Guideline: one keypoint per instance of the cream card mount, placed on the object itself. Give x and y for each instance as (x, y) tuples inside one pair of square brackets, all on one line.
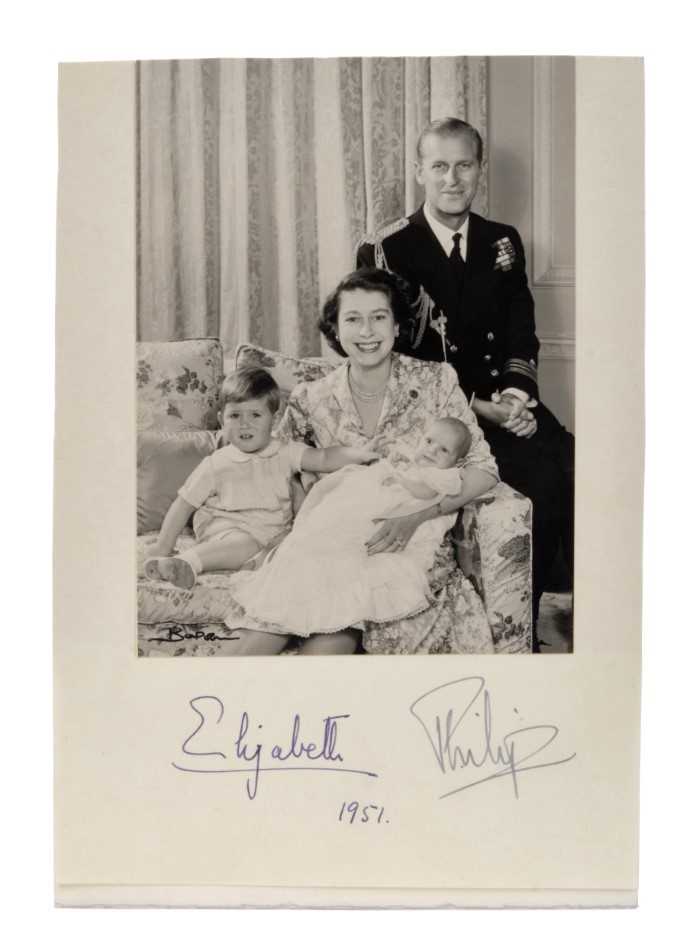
[(169, 790)]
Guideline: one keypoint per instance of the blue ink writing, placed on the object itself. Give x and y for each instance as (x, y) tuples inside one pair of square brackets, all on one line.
[(368, 813), (246, 751)]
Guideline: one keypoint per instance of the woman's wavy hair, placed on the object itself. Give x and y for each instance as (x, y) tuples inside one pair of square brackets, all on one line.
[(395, 289)]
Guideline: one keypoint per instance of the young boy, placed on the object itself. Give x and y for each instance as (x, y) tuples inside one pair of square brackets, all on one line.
[(241, 494)]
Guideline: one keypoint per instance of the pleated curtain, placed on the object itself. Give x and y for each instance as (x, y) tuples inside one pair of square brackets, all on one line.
[(257, 178)]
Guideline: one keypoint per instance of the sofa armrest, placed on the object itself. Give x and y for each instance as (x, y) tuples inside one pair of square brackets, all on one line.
[(493, 540)]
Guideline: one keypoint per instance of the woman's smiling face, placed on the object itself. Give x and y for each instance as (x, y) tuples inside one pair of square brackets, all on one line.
[(366, 327)]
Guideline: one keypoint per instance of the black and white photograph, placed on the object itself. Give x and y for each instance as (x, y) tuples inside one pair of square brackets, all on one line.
[(333, 326), (355, 358)]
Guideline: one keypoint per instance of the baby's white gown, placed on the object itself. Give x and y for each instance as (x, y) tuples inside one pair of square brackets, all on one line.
[(321, 579)]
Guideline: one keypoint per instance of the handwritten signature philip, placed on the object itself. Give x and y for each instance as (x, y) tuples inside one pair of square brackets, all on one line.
[(457, 719), (241, 753)]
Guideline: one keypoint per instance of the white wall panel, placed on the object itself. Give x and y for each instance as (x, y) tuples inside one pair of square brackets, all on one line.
[(532, 186)]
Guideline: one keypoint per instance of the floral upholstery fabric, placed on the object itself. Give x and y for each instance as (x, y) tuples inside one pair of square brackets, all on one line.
[(180, 379), (491, 543), (175, 622), (160, 602)]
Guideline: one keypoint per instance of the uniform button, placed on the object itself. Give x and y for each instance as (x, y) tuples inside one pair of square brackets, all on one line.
[(494, 372), (487, 358), (489, 337)]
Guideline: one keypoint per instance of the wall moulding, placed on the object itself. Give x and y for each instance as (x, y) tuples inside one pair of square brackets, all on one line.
[(547, 271), (559, 348)]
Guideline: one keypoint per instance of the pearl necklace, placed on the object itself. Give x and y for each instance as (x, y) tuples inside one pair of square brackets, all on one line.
[(368, 397)]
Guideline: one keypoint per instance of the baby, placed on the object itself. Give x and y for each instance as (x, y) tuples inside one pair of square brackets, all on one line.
[(241, 494), (321, 578)]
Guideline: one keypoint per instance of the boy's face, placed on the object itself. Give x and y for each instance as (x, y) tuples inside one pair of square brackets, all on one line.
[(247, 425), (439, 447)]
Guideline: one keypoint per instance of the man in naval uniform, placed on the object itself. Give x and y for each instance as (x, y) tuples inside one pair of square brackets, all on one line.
[(474, 308)]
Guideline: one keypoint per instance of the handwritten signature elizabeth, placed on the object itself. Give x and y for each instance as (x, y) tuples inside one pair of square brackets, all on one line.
[(458, 721), (244, 751)]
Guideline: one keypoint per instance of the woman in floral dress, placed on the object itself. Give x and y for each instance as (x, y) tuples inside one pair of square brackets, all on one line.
[(383, 401)]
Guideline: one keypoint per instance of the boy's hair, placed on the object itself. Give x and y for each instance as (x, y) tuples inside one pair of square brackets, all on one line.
[(461, 432), (250, 382)]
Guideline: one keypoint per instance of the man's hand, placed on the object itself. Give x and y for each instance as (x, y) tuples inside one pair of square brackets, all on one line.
[(494, 412), (508, 412), (521, 422), (393, 534)]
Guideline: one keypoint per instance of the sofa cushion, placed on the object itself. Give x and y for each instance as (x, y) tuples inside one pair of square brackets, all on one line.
[(179, 379), (287, 371), (166, 455)]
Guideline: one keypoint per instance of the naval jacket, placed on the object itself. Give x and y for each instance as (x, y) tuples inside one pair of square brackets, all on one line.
[(489, 325)]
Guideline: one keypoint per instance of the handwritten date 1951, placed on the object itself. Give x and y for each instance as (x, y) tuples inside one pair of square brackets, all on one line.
[(363, 813)]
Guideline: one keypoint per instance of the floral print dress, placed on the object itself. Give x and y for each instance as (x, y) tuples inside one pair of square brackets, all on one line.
[(323, 413)]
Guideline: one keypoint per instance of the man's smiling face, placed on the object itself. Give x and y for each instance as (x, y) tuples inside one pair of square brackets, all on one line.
[(449, 172)]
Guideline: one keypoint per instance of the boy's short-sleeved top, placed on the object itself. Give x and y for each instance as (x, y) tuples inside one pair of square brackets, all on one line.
[(230, 481)]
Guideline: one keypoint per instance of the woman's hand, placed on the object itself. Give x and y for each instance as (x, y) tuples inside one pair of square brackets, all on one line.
[(393, 534)]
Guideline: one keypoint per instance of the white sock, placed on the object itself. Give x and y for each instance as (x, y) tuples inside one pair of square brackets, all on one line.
[(192, 559)]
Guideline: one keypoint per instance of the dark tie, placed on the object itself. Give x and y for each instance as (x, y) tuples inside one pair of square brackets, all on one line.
[(455, 259)]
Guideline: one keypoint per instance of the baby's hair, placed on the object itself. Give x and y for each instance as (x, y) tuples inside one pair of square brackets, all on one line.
[(461, 432), (250, 382)]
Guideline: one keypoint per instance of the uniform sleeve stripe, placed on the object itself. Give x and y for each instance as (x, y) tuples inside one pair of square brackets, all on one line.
[(522, 367)]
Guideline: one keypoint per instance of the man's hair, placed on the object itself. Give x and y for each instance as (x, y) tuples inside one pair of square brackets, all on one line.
[(395, 289), (250, 382), (449, 125), (461, 432)]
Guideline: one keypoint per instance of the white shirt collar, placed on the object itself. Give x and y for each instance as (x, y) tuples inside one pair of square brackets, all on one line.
[(236, 455), (445, 234)]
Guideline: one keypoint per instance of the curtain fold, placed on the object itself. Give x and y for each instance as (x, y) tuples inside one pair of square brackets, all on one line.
[(257, 178)]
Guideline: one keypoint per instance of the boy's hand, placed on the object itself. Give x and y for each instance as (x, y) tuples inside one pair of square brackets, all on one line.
[(361, 456)]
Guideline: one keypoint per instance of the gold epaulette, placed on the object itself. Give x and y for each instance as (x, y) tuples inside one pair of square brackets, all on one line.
[(388, 229), (381, 234)]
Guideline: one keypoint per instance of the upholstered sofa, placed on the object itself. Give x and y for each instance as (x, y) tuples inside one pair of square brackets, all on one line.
[(177, 390)]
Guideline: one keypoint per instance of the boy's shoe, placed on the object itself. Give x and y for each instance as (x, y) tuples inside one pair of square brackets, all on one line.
[(171, 569)]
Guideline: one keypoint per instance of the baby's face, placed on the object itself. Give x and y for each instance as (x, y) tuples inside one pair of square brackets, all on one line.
[(439, 447), (247, 425)]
